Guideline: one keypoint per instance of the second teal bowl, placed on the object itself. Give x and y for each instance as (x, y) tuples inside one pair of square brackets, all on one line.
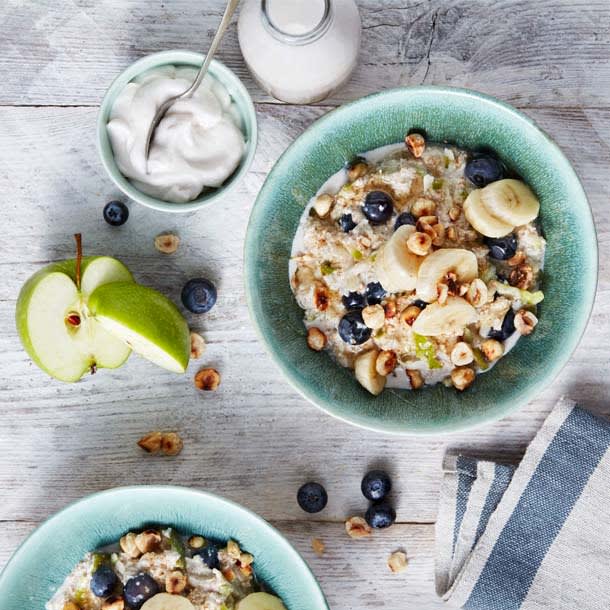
[(44, 560), (472, 121)]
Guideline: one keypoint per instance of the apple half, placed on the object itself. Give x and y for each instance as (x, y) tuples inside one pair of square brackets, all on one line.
[(54, 322)]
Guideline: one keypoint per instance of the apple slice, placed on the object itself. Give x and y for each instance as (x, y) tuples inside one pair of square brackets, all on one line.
[(53, 322), (145, 320)]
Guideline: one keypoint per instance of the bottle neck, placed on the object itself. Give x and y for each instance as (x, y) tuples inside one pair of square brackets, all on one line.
[(290, 31)]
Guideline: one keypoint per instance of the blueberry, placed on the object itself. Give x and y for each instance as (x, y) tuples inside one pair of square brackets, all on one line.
[(405, 219), (376, 485), (419, 303), (353, 300), (374, 293), (116, 213), (508, 327), (103, 581), (352, 328), (378, 207), (380, 515), (312, 497), (139, 589), (209, 555), (346, 222), (199, 295), (502, 248), (483, 169)]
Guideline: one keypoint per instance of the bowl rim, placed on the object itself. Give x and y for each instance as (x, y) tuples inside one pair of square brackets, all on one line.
[(5, 573), (222, 73), (590, 281)]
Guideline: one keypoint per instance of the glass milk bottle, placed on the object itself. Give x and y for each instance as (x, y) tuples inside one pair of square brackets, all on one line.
[(300, 51)]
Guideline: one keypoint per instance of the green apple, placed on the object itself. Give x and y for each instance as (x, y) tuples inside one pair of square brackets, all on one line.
[(145, 320), (54, 322)]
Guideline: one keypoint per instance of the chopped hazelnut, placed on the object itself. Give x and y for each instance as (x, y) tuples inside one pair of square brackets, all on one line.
[(397, 562), (148, 541), (175, 581), (128, 545), (462, 378), (492, 349), (322, 205), (390, 309), (454, 213), (357, 171), (197, 346), (321, 297), (233, 549), (452, 234), (196, 542), (521, 277), (207, 379), (70, 606), (423, 207), (151, 442), (415, 378), (245, 559), (409, 314), (477, 294), (373, 316), (113, 603), (246, 570), (171, 443), (318, 547), (357, 527), (386, 362), (416, 144), (439, 235), (525, 322), (462, 354), (425, 221), (517, 259), (419, 243), (316, 339), (167, 243)]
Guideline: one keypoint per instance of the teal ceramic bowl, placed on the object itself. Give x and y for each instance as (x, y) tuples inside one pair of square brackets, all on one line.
[(44, 560), (472, 121), (238, 93)]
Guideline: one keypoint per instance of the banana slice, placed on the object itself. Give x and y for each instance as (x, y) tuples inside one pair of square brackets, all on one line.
[(448, 319), (396, 264), (166, 601), (260, 601), (436, 266), (511, 201), (479, 217), (367, 375)]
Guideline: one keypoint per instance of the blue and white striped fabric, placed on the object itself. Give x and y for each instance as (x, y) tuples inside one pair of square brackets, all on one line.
[(533, 537)]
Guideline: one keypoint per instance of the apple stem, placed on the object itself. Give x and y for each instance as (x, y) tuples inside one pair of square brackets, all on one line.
[(79, 257)]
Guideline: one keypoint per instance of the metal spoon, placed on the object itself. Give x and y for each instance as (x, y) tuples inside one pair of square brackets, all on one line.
[(165, 106)]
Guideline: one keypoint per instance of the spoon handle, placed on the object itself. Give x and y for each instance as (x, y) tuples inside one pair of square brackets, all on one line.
[(226, 19)]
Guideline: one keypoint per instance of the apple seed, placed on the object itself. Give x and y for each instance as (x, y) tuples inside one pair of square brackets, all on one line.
[(73, 319)]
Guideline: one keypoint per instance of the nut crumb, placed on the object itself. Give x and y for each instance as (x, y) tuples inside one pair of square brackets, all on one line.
[(525, 322), (175, 581), (416, 144), (171, 443), (357, 171), (462, 378), (167, 243), (374, 316), (318, 547), (357, 527), (316, 339), (415, 378), (128, 545), (148, 541), (517, 259), (397, 562), (112, 603), (151, 442), (233, 549), (419, 243), (246, 559), (386, 362), (322, 204), (197, 345), (70, 606), (207, 380)]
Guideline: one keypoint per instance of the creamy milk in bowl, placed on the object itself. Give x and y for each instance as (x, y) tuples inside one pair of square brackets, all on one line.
[(202, 147)]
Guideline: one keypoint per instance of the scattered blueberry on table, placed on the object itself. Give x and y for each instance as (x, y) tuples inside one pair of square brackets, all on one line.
[(507, 329), (103, 581), (376, 485), (352, 328), (139, 589), (353, 300), (406, 218), (483, 169), (199, 295), (116, 213), (380, 515), (378, 207), (312, 497), (374, 293), (502, 248), (346, 222)]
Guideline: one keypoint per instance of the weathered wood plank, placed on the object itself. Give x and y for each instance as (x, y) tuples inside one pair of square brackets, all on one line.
[(546, 53), (352, 573)]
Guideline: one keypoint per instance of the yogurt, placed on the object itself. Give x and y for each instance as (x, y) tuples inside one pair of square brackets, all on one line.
[(197, 145)]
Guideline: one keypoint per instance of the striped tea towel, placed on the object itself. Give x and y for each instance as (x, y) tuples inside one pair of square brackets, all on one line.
[(532, 537)]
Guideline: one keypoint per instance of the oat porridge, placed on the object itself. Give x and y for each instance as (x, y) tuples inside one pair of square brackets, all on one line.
[(158, 569), (419, 264)]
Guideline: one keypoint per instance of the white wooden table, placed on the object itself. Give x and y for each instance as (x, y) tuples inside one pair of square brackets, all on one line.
[(255, 440)]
